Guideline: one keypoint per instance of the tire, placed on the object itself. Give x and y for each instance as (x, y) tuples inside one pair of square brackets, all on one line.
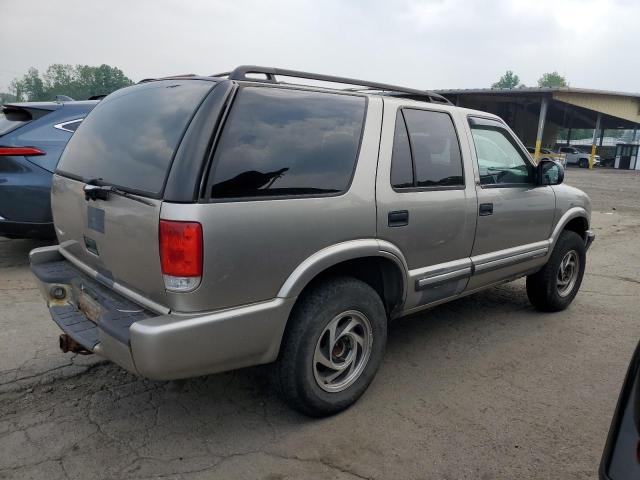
[(583, 163), (548, 289), (340, 302)]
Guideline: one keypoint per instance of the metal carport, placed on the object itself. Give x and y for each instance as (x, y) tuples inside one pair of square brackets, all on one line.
[(536, 114)]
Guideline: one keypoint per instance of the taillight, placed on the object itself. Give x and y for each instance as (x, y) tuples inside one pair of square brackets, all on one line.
[(24, 151), (181, 254)]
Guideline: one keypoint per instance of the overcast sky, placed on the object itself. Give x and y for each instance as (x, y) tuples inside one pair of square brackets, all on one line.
[(418, 43)]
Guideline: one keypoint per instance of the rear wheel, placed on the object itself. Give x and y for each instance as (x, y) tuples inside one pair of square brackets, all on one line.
[(555, 286), (333, 346)]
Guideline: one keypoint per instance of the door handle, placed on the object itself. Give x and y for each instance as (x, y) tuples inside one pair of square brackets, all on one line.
[(399, 218), (485, 209)]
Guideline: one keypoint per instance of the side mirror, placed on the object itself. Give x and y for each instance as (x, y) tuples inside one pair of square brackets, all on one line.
[(549, 172), (621, 456)]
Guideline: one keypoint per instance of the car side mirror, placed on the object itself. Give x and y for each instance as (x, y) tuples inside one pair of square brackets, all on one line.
[(621, 456), (549, 172)]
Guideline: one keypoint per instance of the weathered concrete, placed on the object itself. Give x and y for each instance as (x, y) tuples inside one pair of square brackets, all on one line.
[(481, 388)]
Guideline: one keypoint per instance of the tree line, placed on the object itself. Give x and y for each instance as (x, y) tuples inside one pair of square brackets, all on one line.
[(511, 80), (76, 81)]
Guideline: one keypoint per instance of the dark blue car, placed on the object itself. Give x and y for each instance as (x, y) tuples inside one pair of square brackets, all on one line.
[(32, 138)]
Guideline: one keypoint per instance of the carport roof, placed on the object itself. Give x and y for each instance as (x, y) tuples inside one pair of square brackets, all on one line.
[(619, 109), (532, 91)]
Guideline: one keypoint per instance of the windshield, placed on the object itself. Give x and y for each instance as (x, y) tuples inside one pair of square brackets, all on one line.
[(130, 138)]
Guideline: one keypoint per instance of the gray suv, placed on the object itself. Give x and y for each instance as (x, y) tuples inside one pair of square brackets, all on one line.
[(213, 223)]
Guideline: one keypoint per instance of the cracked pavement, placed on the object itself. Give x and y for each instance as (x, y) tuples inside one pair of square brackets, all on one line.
[(481, 388)]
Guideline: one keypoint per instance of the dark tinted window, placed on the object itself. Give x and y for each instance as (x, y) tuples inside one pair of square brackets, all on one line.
[(12, 118), (435, 148), (288, 142), (401, 167), (130, 137)]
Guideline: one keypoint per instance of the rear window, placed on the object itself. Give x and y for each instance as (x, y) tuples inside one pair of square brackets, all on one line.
[(287, 142), (130, 138), (12, 118)]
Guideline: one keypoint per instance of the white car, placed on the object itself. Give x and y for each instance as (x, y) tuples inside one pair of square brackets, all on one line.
[(574, 156)]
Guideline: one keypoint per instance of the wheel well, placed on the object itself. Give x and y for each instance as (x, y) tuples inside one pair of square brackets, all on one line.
[(381, 274), (578, 225)]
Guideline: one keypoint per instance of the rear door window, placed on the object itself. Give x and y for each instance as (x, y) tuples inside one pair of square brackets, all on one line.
[(130, 138), (282, 142), (432, 147), (401, 162)]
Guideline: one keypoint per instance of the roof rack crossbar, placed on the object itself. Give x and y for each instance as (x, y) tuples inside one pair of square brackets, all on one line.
[(241, 74)]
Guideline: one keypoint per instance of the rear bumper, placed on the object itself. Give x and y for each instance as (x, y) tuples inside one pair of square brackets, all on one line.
[(156, 346)]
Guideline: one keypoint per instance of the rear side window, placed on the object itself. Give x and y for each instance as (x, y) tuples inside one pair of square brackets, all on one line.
[(70, 126), (430, 157), (287, 142), (12, 118), (130, 138)]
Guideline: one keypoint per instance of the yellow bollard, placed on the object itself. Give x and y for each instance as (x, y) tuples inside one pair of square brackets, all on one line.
[(592, 157), (536, 155)]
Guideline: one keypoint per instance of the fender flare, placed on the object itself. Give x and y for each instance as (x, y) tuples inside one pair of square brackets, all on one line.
[(573, 212), (338, 253)]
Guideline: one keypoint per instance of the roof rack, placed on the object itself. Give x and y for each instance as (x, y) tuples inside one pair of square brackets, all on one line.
[(240, 74)]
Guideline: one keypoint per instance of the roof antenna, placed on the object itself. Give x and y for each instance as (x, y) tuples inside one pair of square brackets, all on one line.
[(63, 98)]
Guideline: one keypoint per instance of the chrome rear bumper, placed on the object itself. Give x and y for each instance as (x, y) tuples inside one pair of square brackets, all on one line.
[(161, 347)]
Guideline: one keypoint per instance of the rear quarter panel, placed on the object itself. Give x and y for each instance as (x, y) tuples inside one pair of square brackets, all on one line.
[(251, 247)]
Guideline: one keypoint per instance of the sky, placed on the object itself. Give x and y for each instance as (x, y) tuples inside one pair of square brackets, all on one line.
[(426, 44)]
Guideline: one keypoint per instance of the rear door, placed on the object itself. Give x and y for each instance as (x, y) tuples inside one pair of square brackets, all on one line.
[(515, 216), (426, 198), (128, 141)]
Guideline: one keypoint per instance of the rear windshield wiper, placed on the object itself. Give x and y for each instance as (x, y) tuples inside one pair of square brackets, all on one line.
[(93, 191)]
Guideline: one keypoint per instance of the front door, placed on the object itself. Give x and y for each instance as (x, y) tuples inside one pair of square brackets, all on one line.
[(515, 216), (426, 206)]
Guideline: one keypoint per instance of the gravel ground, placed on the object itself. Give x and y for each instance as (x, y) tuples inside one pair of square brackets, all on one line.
[(481, 388)]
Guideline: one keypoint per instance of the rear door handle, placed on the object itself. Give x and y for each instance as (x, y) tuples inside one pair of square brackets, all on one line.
[(399, 218), (485, 209)]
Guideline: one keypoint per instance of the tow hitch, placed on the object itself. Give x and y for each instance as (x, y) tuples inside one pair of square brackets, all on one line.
[(68, 344)]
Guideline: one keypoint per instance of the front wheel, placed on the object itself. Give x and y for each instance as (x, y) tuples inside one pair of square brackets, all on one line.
[(555, 286), (583, 163), (333, 346)]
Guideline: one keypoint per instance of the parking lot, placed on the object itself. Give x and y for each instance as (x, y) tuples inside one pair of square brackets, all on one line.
[(482, 388)]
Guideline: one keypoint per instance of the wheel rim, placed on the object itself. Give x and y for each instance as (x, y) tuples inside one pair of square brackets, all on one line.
[(568, 273), (342, 351)]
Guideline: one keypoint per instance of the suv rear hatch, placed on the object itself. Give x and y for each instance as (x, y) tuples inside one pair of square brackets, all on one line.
[(127, 144)]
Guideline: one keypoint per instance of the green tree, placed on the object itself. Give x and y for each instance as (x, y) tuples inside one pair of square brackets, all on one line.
[(7, 98), (553, 79), (508, 80), (30, 87), (78, 82)]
